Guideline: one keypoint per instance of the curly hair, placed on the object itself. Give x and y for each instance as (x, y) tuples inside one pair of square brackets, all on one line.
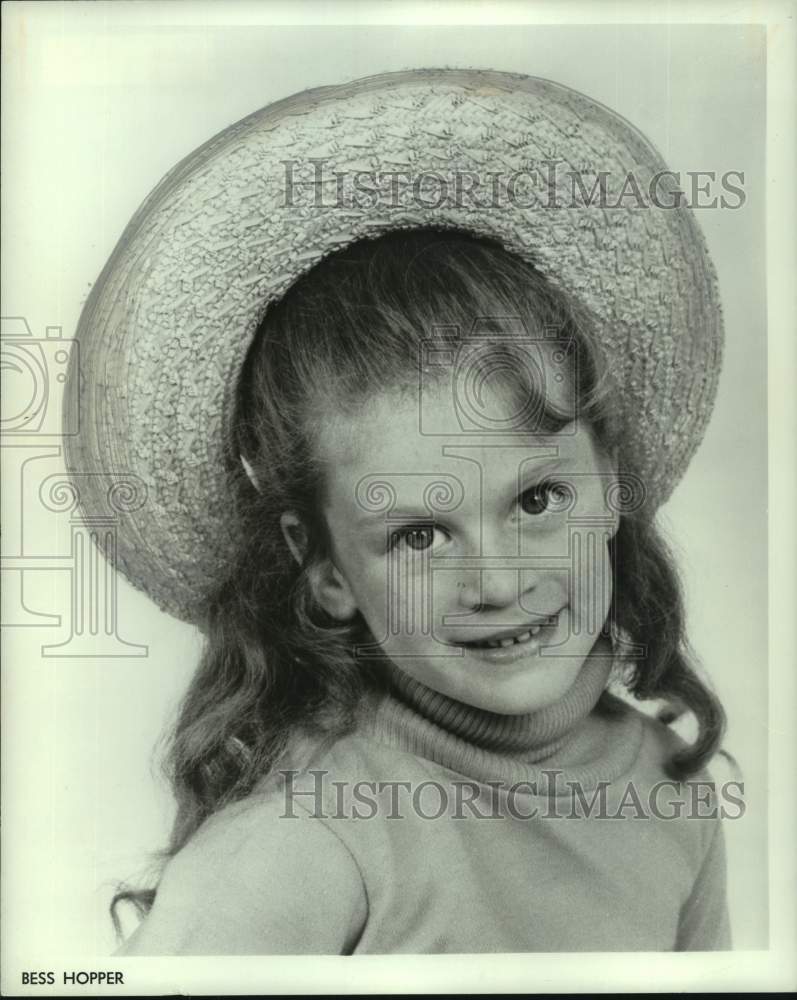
[(273, 661)]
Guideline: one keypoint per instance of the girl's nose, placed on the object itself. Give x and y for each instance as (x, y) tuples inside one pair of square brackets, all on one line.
[(493, 588)]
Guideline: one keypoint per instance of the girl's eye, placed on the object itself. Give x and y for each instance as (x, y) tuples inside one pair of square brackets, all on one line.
[(546, 497), (420, 537)]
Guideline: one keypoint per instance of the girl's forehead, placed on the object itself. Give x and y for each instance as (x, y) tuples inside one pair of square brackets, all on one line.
[(398, 436), (469, 387)]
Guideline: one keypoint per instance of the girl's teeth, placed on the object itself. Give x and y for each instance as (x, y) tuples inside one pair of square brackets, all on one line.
[(514, 640), (518, 639)]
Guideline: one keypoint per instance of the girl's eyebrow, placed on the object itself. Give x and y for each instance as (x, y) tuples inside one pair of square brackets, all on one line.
[(401, 515), (532, 469)]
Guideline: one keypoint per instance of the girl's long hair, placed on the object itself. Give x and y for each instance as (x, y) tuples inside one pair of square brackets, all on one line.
[(363, 321)]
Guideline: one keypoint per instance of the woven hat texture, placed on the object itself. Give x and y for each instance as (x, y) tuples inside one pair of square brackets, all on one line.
[(166, 328)]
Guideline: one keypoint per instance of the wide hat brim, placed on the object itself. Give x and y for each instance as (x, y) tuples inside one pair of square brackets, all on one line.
[(165, 330)]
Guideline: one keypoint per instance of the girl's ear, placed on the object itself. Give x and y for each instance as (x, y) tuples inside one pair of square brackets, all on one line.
[(332, 591), (330, 588)]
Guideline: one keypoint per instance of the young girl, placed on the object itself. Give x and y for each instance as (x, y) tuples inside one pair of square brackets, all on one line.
[(442, 457)]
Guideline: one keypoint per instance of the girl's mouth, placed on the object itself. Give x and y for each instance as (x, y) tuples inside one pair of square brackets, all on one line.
[(517, 640), (513, 637)]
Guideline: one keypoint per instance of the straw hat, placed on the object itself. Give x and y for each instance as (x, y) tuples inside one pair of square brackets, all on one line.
[(165, 330)]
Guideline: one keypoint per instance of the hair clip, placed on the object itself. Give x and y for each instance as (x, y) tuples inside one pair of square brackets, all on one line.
[(250, 472)]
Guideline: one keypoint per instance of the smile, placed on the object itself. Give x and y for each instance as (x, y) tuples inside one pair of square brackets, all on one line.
[(509, 641), (511, 637)]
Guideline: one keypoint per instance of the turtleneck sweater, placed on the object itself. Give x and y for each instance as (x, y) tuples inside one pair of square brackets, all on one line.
[(393, 839), (488, 746)]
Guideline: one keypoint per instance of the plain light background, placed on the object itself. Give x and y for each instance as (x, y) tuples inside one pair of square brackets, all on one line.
[(98, 107)]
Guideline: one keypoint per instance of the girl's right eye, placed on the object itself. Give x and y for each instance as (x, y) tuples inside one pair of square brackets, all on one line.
[(549, 496), (419, 537)]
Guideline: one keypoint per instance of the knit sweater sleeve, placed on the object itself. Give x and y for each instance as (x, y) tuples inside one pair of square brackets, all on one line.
[(252, 881), (704, 924)]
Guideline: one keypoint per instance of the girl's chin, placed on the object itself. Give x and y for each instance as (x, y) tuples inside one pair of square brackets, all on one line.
[(515, 693)]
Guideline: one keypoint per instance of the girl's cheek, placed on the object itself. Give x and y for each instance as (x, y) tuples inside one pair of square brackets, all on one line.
[(545, 545)]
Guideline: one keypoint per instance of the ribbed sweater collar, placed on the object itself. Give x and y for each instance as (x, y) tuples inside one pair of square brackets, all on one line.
[(488, 746)]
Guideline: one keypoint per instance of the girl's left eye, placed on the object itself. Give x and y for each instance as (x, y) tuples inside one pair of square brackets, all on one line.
[(546, 497), (419, 537)]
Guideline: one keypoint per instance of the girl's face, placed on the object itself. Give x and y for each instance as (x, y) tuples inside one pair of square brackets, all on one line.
[(479, 562)]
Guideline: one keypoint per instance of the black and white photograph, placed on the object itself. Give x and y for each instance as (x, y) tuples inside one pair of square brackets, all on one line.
[(398, 537)]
